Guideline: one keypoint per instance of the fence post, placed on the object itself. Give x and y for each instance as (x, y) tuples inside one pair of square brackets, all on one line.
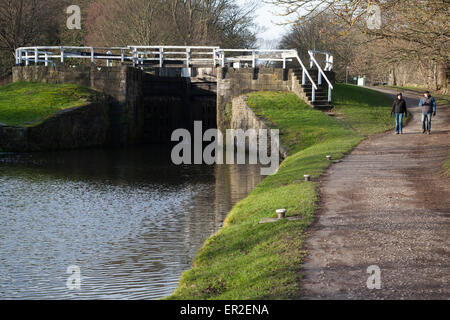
[(36, 56), (62, 55), (134, 57), (329, 94), (46, 59), (313, 93), (188, 57), (109, 61), (161, 57), (254, 59), (19, 56), (122, 57), (92, 56), (27, 63), (303, 77), (320, 78)]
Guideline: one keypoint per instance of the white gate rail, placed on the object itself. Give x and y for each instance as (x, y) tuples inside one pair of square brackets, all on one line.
[(172, 54)]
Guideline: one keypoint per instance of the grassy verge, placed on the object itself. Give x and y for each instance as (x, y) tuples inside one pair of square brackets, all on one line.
[(246, 260), (441, 99), (24, 102), (447, 166)]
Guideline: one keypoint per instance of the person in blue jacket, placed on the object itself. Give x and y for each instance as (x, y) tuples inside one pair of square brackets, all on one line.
[(429, 108)]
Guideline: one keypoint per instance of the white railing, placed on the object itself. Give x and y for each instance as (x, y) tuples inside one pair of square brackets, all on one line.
[(183, 56), (160, 55), (325, 57), (252, 57), (305, 73), (157, 55), (321, 73), (47, 55)]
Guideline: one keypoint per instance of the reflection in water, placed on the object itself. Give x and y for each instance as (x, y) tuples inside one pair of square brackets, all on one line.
[(128, 218)]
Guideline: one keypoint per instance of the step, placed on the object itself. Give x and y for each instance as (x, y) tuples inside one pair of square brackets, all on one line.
[(319, 93)]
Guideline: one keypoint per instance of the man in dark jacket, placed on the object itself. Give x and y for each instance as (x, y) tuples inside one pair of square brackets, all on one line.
[(429, 107), (399, 109)]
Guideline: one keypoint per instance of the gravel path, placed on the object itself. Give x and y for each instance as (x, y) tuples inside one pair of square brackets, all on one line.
[(386, 204)]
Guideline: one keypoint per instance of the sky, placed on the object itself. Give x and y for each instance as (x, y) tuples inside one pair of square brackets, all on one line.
[(266, 17)]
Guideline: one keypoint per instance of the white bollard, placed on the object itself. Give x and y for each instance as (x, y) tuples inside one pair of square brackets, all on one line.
[(281, 213)]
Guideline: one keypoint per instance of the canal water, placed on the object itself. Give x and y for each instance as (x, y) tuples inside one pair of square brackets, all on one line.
[(128, 219)]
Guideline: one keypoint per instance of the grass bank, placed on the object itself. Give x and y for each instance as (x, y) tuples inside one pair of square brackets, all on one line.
[(441, 99), (246, 260), (22, 103), (447, 166)]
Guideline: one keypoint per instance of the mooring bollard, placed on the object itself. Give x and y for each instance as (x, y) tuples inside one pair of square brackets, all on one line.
[(307, 177), (329, 158), (281, 213)]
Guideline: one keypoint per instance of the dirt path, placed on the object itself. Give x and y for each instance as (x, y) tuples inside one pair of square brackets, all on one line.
[(387, 204)]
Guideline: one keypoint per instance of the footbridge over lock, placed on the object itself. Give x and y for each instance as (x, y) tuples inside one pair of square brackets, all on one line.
[(157, 89)]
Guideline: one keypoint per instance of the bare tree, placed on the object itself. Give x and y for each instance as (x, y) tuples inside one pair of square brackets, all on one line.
[(409, 31), (24, 22), (182, 22)]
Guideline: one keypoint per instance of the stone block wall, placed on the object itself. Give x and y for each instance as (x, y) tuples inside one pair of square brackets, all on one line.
[(122, 87), (243, 117), (233, 83), (79, 127)]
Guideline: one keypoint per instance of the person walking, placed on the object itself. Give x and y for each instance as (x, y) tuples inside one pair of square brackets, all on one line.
[(399, 109), (428, 104)]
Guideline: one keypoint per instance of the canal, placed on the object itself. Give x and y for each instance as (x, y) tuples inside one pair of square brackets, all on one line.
[(129, 219)]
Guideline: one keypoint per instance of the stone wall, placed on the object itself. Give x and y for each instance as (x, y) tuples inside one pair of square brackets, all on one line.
[(233, 83), (243, 117), (143, 107), (79, 127), (122, 86)]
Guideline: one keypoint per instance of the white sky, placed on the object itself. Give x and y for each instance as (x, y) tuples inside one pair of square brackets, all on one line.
[(267, 18)]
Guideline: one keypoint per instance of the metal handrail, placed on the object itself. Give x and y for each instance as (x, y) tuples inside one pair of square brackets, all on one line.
[(306, 73), (321, 74), (329, 63)]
